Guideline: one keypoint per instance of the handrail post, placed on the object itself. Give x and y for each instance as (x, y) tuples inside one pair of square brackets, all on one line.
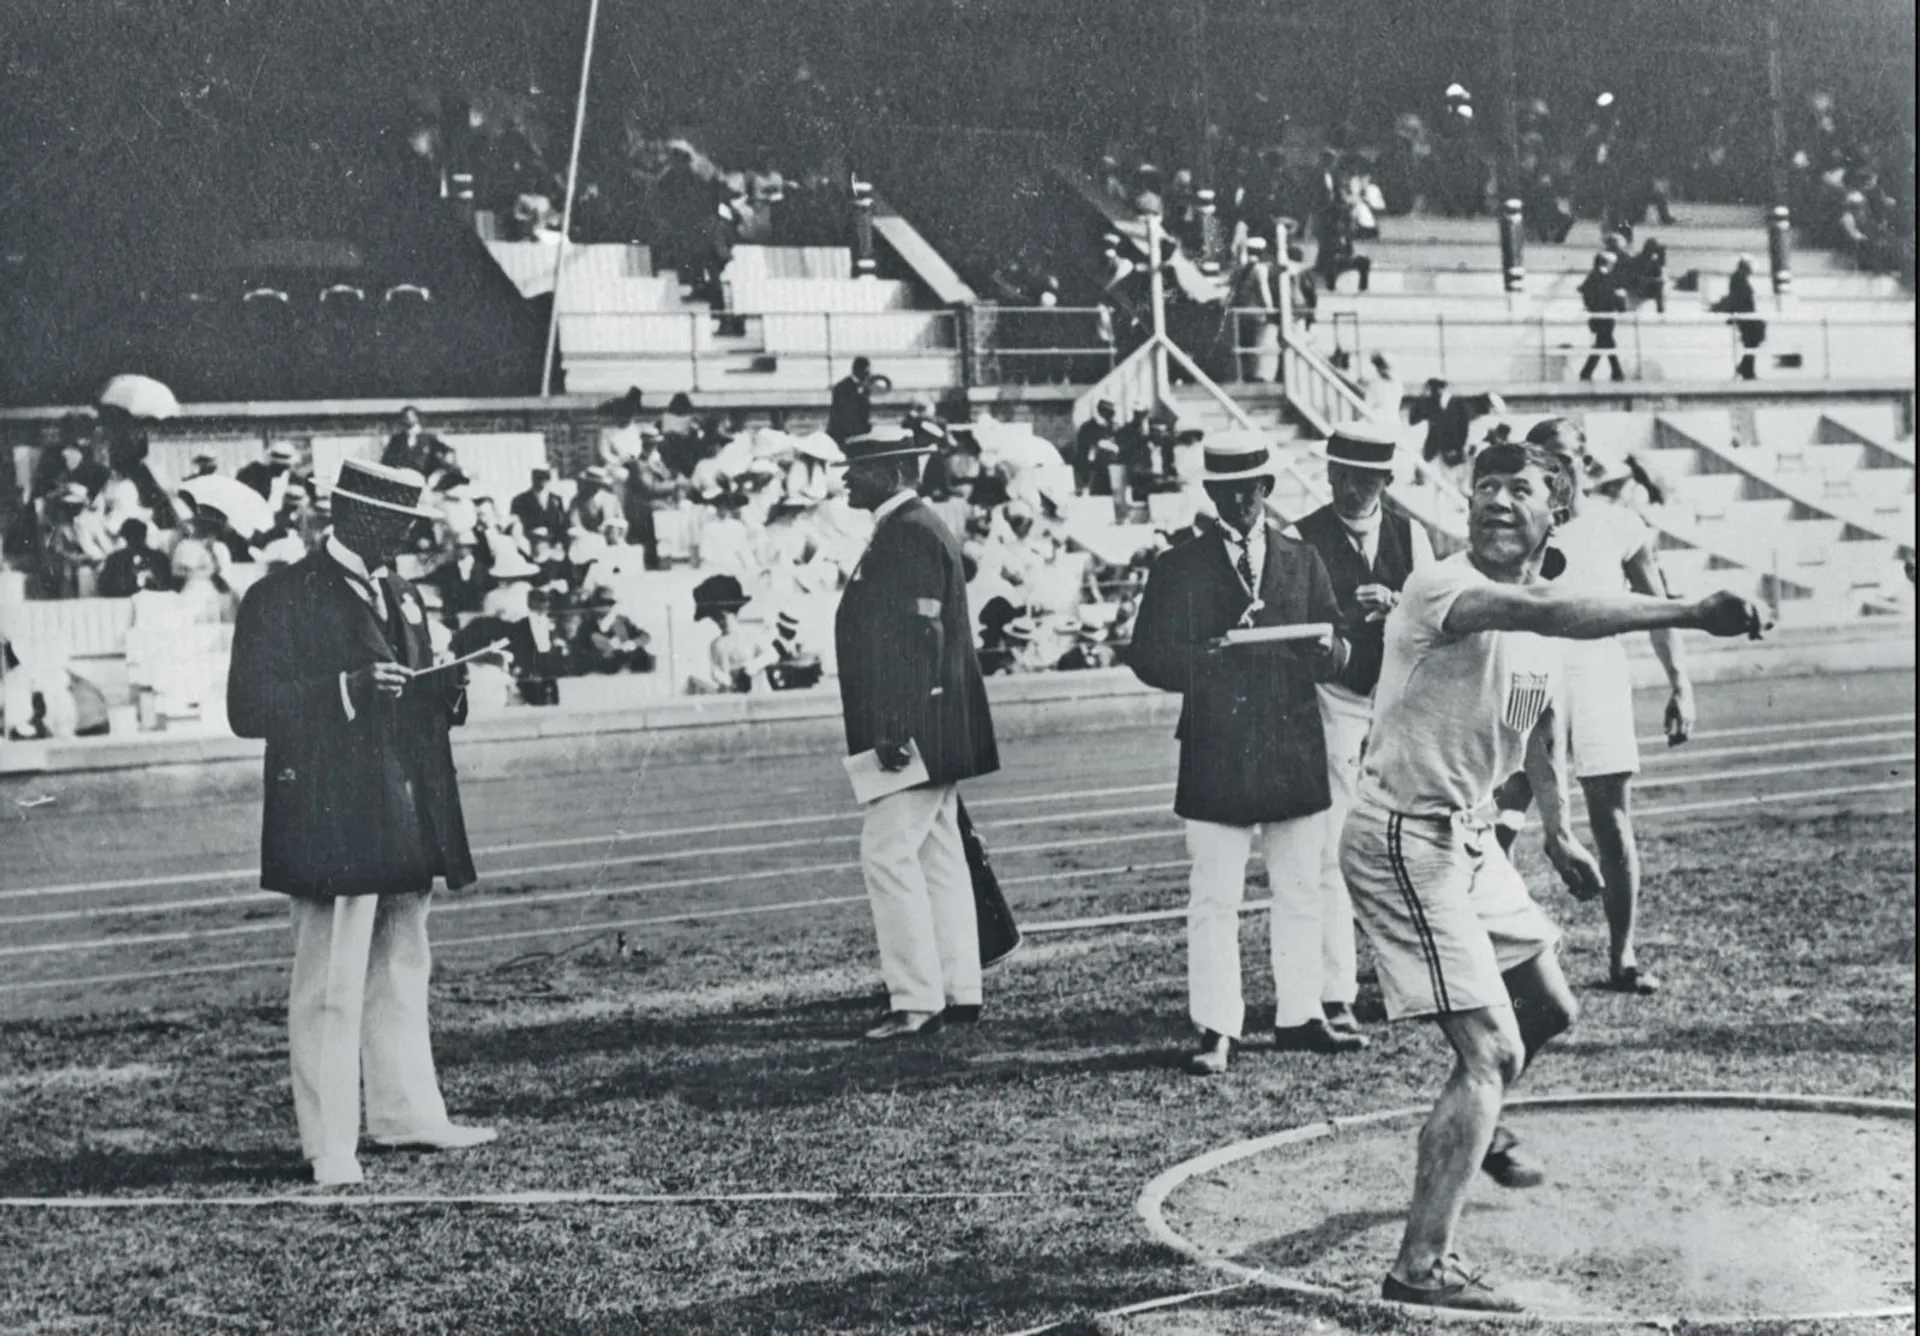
[(1157, 289), (693, 349), (1440, 335), (826, 339)]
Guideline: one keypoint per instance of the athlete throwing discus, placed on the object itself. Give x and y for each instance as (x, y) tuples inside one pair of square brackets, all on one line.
[(1468, 695)]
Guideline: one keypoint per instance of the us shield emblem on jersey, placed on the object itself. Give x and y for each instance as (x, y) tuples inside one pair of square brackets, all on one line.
[(1526, 700)]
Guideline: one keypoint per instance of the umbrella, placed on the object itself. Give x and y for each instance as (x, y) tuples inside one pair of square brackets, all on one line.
[(140, 396), (245, 509)]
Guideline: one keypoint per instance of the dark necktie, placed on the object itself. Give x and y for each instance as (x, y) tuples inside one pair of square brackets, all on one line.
[(1244, 561)]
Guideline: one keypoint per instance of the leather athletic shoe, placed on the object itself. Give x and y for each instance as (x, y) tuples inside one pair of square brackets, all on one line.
[(451, 1137), (1340, 1018), (1316, 1036), (1450, 1285), (1629, 979), (1211, 1060), (961, 1013), (1507, 1167), (900, 1024)]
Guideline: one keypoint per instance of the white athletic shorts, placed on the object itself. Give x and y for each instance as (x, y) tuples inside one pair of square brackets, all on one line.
[(1599, 705), (1446, 912)]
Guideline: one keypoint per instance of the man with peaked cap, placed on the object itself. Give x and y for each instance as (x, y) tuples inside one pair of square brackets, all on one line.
[(1253, 764), (1368, 551), (362, 814), (909, 679)]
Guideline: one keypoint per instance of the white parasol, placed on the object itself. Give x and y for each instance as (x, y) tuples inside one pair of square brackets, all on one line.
[(246, 511), (140, 396)]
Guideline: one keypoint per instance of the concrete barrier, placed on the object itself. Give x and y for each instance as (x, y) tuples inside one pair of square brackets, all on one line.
[(160, 771)]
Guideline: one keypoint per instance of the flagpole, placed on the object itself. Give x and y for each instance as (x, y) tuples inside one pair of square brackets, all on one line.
[(566, 210)]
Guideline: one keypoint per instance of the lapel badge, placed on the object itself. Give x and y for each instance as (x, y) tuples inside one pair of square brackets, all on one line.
[(410, 608)]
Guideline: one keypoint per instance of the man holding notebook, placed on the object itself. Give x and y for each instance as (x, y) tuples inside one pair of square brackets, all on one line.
[(917, 724), (1239, 618)]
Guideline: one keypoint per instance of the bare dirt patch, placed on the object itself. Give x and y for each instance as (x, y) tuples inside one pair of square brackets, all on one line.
[(1651, 1211)]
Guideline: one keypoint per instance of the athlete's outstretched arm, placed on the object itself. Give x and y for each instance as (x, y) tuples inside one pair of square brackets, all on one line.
[(1545, 610)]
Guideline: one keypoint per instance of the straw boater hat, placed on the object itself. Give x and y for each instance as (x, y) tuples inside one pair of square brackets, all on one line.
[(1361, 445), (1233, 463), (512, 565), (394, 491), (883, 443)]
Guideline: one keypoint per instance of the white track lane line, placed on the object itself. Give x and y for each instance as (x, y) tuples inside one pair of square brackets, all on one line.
[(361, 1200), (580, 841), (1017, 800), (697, 915), (234, 898), (492, 903), (242, 898)]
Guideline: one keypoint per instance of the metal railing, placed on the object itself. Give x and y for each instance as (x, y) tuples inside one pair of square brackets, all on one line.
[(1041, 345), (1676, 346)]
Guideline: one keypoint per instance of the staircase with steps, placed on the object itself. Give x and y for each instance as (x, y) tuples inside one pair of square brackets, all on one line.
[(1782, 516)]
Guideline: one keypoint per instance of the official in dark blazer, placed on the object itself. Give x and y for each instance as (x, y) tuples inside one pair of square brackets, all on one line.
[(1368, 551), (362, 813), (538, 511), (1252, 758), (909, 678)]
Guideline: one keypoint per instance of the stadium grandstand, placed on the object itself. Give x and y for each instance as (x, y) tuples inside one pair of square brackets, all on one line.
[(1222, 219)]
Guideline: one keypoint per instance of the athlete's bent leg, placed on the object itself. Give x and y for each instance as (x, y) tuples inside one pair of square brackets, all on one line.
[(1489, 1056)]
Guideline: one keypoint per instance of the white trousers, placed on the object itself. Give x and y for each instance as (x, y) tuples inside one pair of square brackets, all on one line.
[(1218, 884), (922, 896), (1345, 720), (358, 1006)]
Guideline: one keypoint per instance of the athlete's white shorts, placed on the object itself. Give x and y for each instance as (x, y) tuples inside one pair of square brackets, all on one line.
[(1446, 912), (1599, 705)]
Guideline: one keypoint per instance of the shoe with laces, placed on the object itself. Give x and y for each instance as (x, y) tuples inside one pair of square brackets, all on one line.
[(1451, 1285)]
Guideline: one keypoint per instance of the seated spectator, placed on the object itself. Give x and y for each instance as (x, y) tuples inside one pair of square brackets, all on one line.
[(414, 447), (197, 579), (204, 464), (1644, 276), (273, 474), (74, 541), (1383, 391), (681, 441), (134, 566), (606, 642), (620, 444), (726, 544), (1089, 649), (463, 580), (794, 667), (518, 615), (595, 506), (539, 511), (73, 462), (736, 656), (1091, 443)]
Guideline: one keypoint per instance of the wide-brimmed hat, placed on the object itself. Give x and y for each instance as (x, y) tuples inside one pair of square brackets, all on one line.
[(1237, 462), (883, 443), (283, 452), (396, 491), (717, 594), (512, 565), (598, 475), (1021, 628), (1361, 445), (818, 445)]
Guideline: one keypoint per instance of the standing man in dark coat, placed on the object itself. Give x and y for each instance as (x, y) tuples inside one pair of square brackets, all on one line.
[(1601, 294), (909, 682), (1368, 551), (1739, 301), (851, 412), (362, 813), (1253, 763)]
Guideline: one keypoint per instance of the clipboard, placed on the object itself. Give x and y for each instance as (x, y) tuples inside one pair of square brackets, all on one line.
[(1269, 635), (871, 783)]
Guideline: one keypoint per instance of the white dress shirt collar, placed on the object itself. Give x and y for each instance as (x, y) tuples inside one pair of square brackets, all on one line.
[(350, 559), (1255, 545)]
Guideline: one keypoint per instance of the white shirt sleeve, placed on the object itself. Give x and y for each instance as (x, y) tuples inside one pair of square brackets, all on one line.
[(346, 699), (1431, 592), (1422, 545)]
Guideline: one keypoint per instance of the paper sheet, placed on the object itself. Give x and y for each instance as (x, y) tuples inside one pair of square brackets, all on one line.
[(480, 653), (871, 783)]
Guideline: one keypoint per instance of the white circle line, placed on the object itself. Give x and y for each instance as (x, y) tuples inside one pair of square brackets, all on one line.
[(1150, 1204)]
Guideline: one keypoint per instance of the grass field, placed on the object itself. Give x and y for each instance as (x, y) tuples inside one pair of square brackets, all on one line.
[(727, 1065)]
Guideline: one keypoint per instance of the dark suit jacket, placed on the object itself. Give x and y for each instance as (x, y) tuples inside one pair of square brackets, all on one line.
[(1251, 744), (536, 515), (905, 641), (851, 412), (361, 807), (1348, 570)]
